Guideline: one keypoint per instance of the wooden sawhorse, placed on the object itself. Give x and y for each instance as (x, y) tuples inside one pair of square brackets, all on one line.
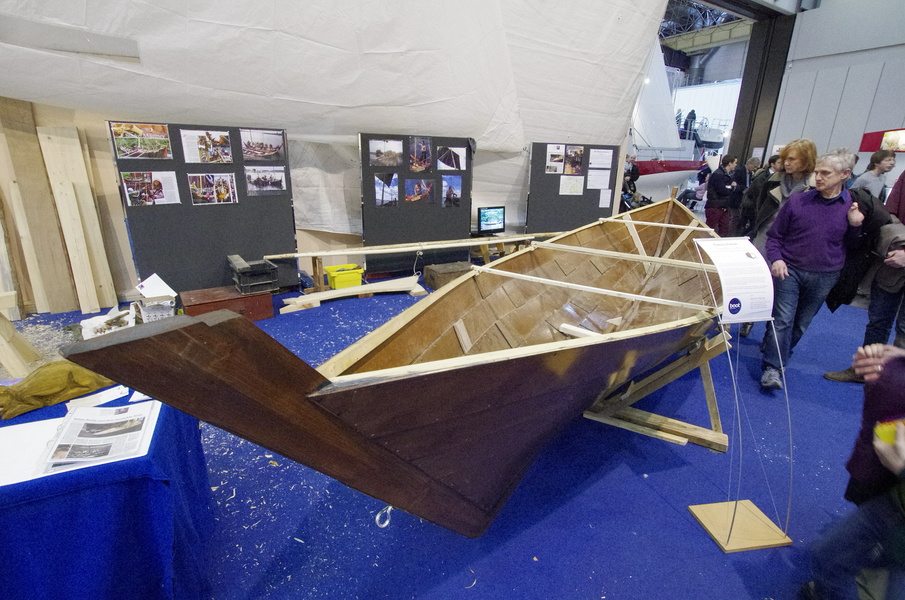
[(616, 409)]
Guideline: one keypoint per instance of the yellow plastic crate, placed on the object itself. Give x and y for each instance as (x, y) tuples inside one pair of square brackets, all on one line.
[(343, 276)]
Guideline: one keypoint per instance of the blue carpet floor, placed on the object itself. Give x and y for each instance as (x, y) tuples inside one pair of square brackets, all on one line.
[(602, 514)]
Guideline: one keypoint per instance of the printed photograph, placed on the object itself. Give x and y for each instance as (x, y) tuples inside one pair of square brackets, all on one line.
[(555, 158), (573, 158), (894, 140), (420, 158), (386, 189), (385, 153), (452, 190), (86, 451), (141, 140), (149, 188), (451, 159), (419, 190), (97, 430), (263, 144), (206, 146), (265, 181), (213, 188)]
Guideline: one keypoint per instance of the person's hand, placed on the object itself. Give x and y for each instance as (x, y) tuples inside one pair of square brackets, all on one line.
[(779, 269), (892, 455), (870, 360), (734, 184), (895, 259), (855, 216)]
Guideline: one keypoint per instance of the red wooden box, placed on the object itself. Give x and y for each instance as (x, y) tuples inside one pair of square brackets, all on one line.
[(254, 307)]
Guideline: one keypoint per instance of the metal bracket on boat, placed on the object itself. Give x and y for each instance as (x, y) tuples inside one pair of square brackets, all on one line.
[(383, 516)]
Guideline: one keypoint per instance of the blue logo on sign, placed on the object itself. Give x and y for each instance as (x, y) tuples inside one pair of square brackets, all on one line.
[(735, 305)]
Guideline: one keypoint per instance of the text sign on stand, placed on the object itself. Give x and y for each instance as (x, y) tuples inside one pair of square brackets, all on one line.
[(745, 279)]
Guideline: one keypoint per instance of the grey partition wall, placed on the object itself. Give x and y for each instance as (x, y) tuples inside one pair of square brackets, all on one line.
[(414, 188), (195, 194), (570, 185)]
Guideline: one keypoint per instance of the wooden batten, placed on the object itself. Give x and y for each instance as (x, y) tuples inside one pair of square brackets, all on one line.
[(42, 270), (629, 256), (76, 247), (500, 355), (590, 289), (65, 163), (7, 279)]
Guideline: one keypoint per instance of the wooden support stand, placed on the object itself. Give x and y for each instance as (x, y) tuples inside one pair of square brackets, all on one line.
[(738, 526), (616, 409)]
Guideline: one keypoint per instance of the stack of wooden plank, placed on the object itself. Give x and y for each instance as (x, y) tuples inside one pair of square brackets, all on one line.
[(55, 256)]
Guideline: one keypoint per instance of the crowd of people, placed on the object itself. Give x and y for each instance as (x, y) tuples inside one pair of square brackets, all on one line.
[(831, 237)]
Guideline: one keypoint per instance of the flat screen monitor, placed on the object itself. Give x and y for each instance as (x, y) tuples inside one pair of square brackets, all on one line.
[(491, 219)]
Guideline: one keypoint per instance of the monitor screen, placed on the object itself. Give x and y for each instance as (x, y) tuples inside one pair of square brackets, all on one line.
[(491, 219)]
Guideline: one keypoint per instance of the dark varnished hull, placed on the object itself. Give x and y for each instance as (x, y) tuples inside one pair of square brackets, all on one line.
[(446, 440)]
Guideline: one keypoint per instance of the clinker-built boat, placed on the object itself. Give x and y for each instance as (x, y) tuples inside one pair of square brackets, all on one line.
[(440, 411)]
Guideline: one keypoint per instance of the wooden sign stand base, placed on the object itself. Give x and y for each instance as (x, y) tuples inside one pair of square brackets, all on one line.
[(751, 530)]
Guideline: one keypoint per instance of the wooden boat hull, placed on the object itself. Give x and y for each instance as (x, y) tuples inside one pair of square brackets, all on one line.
[(445, 429)]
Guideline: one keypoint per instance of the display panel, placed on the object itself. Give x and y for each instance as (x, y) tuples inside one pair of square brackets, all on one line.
[(195, 194), (570, 185), (414, 188)]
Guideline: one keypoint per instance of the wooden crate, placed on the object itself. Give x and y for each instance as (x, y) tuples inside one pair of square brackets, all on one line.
[(436, 276), (254, 307)]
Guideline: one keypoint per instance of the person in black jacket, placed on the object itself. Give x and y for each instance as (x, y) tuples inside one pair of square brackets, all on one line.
[(884, 304), (749, 199), (630, 176), (719, 194), (742, 177)]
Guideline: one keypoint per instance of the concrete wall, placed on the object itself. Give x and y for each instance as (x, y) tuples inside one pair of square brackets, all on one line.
[(844, 76)]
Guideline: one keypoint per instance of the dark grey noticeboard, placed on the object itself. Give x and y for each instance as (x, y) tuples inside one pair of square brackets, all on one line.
[(414, 188), (570, 185), (195, 194)]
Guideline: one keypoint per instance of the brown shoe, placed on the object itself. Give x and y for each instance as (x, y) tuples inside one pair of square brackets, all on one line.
[(846, 376)]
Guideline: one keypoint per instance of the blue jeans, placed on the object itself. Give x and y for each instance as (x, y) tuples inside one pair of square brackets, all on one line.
[(796, 299), (862, 539), (883, 309)]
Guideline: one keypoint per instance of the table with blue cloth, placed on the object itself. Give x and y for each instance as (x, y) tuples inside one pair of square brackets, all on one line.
[(128, 529)]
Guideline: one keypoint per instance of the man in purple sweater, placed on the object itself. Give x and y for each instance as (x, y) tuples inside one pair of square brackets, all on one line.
[(806, 250)]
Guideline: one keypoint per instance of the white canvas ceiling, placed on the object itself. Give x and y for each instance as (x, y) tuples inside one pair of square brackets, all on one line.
[(505, 72)]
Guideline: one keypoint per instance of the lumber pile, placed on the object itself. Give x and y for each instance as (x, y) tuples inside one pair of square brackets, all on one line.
[(55, 256)]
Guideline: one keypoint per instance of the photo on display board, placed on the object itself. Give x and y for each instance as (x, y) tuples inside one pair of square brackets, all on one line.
[(262, 144), (265, 181), (213, 188), (206, 146), (555, 158), (419, 190), (894, 140), (452, 190), (386, 189), (451, 159), (573, 158), (420, 157), (385, 153), (141, 140), (149, 188)]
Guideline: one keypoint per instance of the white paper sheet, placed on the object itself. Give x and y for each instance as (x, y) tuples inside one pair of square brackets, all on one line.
[(571, 185), (745, 279)]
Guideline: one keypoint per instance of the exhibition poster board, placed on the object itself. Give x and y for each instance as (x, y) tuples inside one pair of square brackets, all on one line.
[(195, 194), (414, 188), (570, 185)]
